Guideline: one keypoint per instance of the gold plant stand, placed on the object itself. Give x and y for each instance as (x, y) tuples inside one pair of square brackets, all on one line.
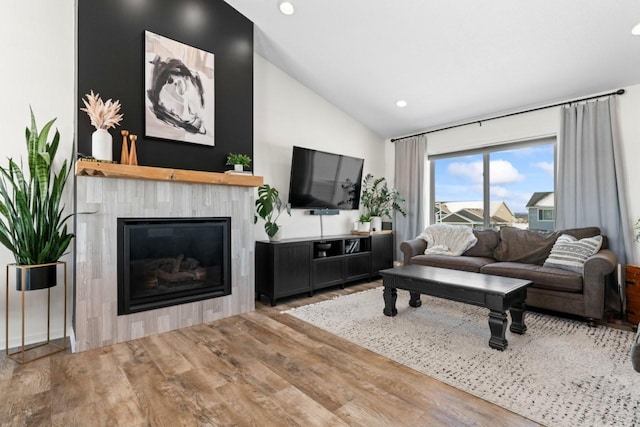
[(23, 353)]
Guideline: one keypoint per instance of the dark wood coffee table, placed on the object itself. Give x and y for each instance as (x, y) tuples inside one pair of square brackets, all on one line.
[(496, 293)]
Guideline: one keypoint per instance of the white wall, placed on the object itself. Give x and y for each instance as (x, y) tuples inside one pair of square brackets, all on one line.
[(37, 70), (546, 123), (522, 127), (286, 113)]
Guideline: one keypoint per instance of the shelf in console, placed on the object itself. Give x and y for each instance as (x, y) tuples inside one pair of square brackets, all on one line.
[(115, 170)]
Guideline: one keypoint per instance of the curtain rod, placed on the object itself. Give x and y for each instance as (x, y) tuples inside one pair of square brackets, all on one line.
[(617, 92)]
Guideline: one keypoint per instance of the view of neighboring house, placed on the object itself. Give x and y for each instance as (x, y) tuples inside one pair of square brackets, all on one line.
[(541, 208), (471, 213)]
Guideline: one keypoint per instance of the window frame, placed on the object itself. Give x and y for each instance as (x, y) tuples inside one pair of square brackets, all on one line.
[(541, 216), (486, 185)]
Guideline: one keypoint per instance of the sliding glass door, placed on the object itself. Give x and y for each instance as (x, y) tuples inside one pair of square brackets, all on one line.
[(509, 185)]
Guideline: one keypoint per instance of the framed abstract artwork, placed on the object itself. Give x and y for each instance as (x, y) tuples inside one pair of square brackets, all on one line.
[(178, 91)]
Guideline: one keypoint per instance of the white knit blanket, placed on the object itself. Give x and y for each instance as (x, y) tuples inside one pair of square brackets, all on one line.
[(445, 239)]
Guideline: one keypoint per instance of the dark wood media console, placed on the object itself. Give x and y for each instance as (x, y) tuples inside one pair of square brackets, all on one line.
[(297, 266)]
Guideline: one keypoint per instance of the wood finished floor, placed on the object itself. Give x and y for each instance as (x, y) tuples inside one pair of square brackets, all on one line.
[(263, 369)]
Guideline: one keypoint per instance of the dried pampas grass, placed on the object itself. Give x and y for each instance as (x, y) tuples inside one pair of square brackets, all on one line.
[(103, 115)]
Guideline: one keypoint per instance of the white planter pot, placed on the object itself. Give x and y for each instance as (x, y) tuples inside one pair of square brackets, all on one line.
[(101, 145), (376, 223), (364, 226), (278, 236), (238, 168)]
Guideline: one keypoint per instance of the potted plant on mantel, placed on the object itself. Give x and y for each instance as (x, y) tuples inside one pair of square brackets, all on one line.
[(238, 161), (379, 200), (32, 225), (269, 207)]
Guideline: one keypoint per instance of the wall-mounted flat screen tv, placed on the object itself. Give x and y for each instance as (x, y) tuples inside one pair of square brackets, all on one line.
[(321, 180)]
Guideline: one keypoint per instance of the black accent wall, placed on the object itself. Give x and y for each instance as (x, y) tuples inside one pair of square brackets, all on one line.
[(110, 62)]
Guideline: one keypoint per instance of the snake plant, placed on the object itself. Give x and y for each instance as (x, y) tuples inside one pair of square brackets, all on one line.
[(32, 222)]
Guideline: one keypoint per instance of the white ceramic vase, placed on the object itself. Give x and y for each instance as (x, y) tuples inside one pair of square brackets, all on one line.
[(376, 223), (238, 168), (276, 237), (101, 145)]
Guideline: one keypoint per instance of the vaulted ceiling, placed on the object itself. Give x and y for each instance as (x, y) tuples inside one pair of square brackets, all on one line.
[(450, 60)]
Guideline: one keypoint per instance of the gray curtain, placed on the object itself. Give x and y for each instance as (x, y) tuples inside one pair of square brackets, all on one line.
[(591, 189), (409, 181)]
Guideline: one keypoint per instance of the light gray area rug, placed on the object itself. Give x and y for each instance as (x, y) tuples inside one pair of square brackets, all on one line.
[(559, 373)]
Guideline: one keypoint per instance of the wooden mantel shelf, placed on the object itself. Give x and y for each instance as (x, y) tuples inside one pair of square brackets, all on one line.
[(115, 170)]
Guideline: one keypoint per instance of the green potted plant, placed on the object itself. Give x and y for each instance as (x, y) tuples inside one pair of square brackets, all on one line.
[(269, 207), (238, 161), (32, 225), (379, 200), (364, 223)]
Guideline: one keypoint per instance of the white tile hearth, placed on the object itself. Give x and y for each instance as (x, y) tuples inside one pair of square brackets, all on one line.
[(100, 201)]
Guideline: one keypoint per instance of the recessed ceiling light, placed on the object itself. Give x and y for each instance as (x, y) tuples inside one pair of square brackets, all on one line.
[(636, 30), (401, 103), (286, 7)]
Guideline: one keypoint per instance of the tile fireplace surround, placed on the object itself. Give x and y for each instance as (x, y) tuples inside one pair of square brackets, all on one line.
[(113, 191)]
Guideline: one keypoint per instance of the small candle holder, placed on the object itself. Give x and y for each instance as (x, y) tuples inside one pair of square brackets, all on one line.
[(133, 156), (124, 154)]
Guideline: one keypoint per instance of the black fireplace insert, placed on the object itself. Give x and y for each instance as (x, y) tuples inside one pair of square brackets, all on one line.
[(170, 261)]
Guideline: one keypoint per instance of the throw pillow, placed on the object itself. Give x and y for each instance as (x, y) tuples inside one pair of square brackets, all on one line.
[(525, 246), (569, 253), (487, 242)]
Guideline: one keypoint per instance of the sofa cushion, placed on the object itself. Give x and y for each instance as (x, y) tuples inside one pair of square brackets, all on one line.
[(485, 246), (554, 279), (569, 253), (464, 263), (529, 247), (580, 233)]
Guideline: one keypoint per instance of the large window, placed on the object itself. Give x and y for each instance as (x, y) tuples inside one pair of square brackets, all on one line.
[(509, 185)]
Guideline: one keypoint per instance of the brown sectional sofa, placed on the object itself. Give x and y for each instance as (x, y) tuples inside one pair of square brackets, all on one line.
[(520, 254)]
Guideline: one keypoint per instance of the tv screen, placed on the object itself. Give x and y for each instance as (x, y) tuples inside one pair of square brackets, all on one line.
[(322, 180)]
